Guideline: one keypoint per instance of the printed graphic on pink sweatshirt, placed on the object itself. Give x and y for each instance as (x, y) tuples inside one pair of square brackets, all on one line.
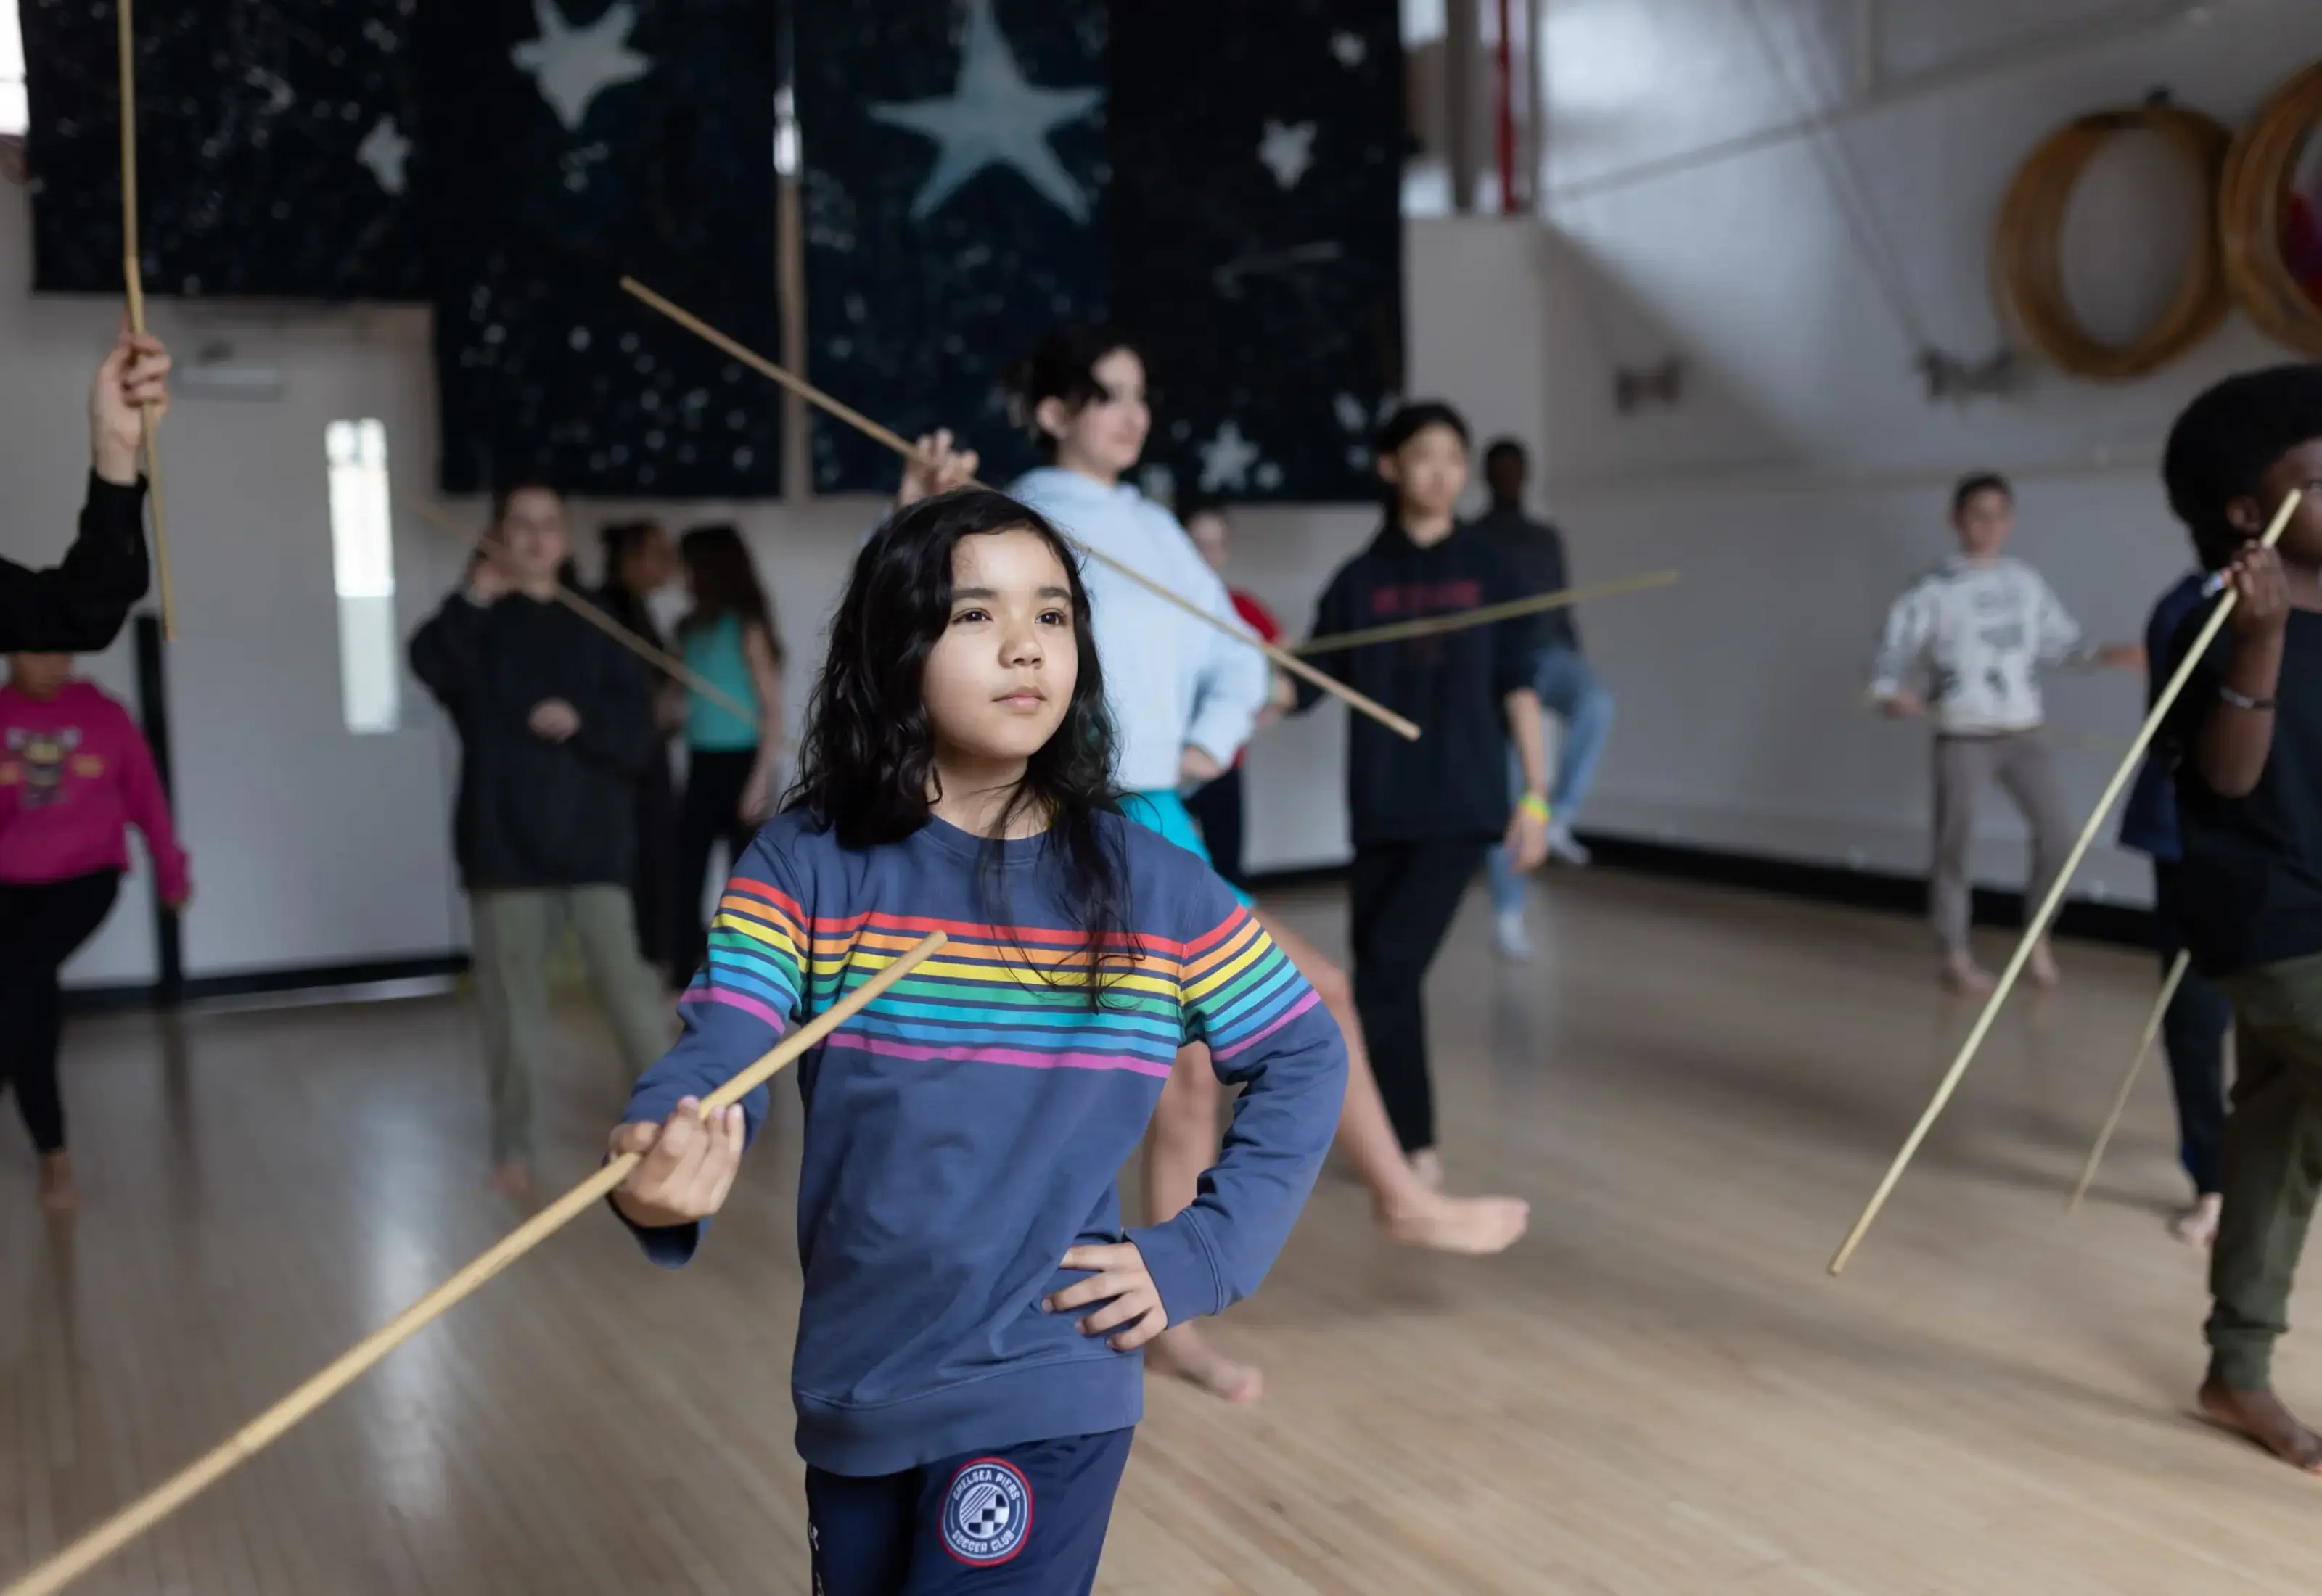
[(37, 763)]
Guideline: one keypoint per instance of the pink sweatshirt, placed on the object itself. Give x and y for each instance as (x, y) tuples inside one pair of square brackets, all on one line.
[(75, 774)]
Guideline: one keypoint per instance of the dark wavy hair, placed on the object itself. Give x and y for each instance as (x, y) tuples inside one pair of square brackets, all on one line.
[(866, 761), (1062, 366), (619, 539), (724, 583)]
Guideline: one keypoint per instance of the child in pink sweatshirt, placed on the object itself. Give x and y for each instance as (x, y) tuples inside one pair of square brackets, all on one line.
[(75, 774)]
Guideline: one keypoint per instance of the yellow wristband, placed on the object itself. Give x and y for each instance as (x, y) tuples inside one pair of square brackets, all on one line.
[(1535, 806)]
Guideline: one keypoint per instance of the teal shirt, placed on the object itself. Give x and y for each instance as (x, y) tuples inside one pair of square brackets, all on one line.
[(714, 652)]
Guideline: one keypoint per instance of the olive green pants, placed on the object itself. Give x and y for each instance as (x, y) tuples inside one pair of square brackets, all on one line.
[(2272, 1165), (515, 933)]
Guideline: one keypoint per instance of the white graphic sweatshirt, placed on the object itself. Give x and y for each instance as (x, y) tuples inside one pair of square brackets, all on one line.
[(1976, 632)]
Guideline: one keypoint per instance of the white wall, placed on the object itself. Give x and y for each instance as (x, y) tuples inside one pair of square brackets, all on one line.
[(1803, 479)]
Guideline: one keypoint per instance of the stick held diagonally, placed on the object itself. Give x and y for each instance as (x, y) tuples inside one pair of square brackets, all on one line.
[(2037, 926), (1485, 615), (2120, 1102), (661, 660), (1282, 657), (149, 1510)]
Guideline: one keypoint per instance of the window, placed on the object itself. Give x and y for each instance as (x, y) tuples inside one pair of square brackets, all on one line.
[(362, 563), (786, 131), (14, 114)]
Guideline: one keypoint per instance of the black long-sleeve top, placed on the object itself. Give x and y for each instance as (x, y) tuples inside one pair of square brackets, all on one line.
[(77, 607), (1453, 783), (1534, 550), (533, 813)]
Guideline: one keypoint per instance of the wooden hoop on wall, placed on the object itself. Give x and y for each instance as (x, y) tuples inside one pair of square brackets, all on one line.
[(2249, 214), (2027, 248)]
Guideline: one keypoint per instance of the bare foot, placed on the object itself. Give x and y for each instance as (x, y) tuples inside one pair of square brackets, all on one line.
[(1963, 975), (1476, 1227), (510, 1178), (2042, 967), (59, 1195), (2258, 1416), (1429, 1168), (2197, 1226), (1181, 1352)]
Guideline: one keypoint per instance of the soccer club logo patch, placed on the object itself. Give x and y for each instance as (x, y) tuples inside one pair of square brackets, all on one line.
[(987, 1513)]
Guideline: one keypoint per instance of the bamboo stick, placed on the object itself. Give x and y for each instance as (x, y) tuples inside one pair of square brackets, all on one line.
[(246, 1443), (2120, 1103), (2038, 925), (660, 659), (132, 274), (1282, 657), (1484, 615)]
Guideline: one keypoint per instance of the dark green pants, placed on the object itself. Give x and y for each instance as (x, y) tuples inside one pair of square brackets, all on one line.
[(515, 934), (2272, 1165)]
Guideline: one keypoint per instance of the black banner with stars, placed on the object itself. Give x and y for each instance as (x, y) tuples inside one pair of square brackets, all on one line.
[(595, 141), (954, 189), (1223, 179), (1256, 223), (276, 156)]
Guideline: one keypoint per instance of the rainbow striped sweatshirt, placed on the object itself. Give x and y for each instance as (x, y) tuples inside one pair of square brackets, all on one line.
[(967, 1127)]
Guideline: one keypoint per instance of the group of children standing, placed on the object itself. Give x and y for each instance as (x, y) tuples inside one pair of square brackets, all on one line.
[(976, 1312), (2228, 807)]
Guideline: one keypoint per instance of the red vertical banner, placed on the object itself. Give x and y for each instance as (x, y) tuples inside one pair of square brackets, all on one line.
[(1511, 195)]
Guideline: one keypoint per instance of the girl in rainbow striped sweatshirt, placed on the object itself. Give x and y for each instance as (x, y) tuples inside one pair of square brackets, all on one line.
[(968, 1371)]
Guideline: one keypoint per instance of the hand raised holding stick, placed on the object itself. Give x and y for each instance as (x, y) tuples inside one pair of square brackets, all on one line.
[(935, 465), (141, 1515)]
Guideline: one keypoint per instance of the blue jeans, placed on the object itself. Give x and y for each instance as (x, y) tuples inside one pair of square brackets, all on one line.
[(1570, 691)]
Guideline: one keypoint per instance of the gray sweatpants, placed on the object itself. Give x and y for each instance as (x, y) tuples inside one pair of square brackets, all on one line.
[(2025, 767)]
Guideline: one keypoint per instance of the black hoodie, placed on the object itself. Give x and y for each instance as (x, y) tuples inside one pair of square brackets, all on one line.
[(533, 813), (77, 607), (1453, 783)]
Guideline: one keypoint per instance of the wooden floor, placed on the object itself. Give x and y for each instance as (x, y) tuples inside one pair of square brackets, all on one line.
[(1659, 1392)]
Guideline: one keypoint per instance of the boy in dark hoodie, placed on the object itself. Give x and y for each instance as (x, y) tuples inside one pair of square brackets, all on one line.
[(555, 729), (1424, 814)]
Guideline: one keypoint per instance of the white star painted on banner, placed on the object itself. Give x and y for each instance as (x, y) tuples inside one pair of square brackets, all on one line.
[(1226, 459), (385, 150), (1286, 151), (994, 118), (280, 96), (572, 65)]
